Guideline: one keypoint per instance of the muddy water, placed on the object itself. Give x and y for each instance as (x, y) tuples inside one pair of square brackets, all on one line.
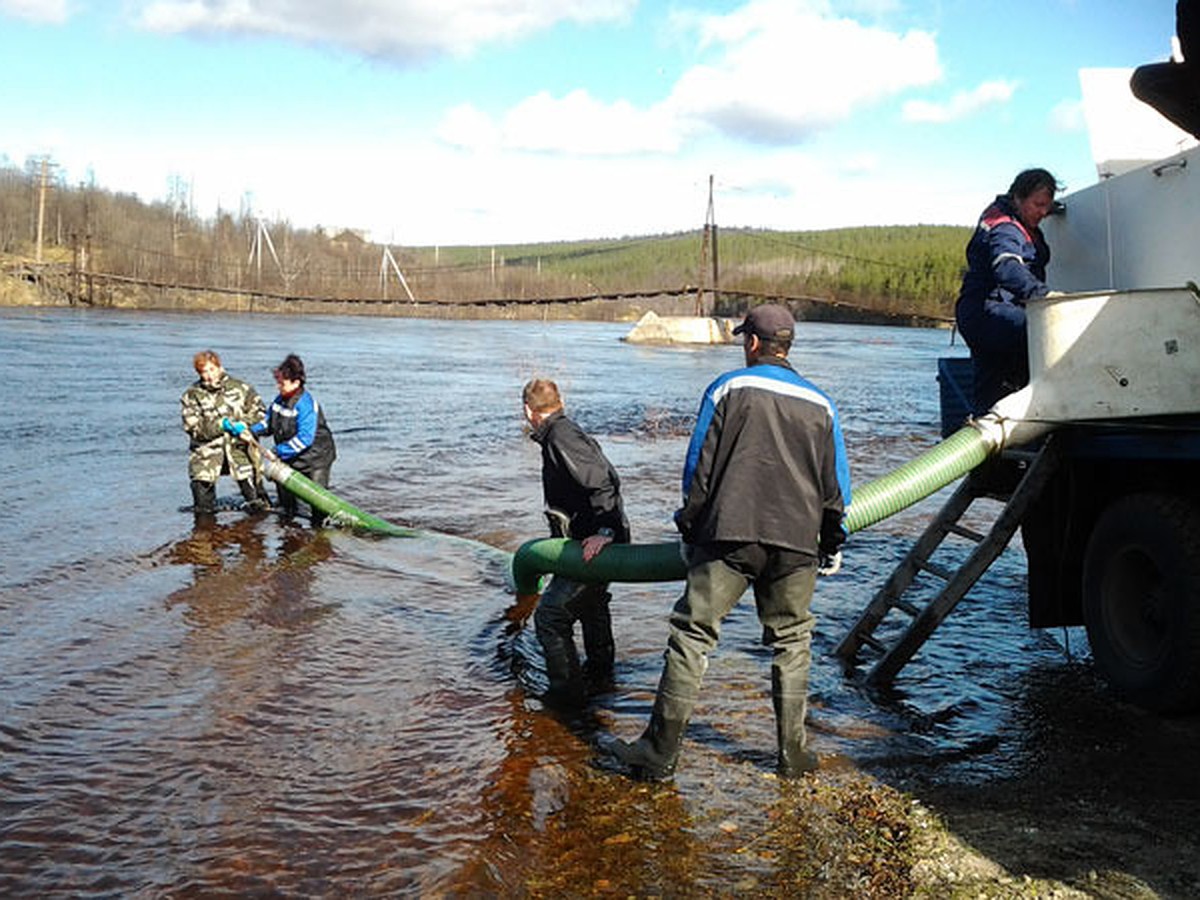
[(255, 707)]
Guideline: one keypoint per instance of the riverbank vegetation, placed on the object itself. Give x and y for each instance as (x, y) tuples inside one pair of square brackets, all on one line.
[(83, 233)]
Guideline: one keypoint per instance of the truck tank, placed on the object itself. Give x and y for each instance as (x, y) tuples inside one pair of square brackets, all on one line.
[(1115, 370)]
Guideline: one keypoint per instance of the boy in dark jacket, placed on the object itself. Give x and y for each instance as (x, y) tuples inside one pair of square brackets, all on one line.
[(583, 502)]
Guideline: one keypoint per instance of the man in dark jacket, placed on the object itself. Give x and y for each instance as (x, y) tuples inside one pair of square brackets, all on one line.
[(583, 501), (765, 487)]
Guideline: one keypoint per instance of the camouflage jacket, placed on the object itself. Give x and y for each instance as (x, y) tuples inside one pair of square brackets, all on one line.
[(214, 452)]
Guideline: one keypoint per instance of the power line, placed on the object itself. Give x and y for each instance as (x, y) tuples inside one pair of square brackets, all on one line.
[(821, 252)]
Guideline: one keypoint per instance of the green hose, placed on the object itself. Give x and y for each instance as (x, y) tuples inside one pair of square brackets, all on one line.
[(873, 502), (339, 511), (616, 562), (918, 478)]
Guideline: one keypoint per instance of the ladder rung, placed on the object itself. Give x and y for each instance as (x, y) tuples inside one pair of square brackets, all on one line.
[(1038, 468), (874, 643), (963, 531), (992, 495), (934, 569)]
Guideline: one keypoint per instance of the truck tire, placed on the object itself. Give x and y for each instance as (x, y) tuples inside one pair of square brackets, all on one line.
[(1141, 600)]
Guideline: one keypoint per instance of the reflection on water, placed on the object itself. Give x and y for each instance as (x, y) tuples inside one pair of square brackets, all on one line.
[(248, 706)]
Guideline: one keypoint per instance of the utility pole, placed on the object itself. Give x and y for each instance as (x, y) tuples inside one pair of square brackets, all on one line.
[(85, 260), (384, 263), (709, 240), (73, 296), (261, 235), (81, 248), (41, 208)]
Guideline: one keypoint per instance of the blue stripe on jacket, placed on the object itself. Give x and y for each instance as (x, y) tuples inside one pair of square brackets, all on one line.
[(781, 380)]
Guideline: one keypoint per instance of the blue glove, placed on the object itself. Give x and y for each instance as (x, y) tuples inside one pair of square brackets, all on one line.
[(234, 428)]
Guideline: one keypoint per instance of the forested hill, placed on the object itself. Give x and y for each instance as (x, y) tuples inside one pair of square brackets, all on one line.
[(902, 270)]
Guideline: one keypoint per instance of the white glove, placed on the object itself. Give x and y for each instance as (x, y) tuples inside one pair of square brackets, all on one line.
[(829, 564)]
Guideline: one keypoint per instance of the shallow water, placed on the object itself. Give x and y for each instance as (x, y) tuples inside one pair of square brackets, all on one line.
[(255, 707)]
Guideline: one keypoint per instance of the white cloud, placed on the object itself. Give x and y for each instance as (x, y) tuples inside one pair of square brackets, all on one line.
[(396, 29), (468, 128), (800, 189), (781, 72), (961, 105), (50, 11), (580, 124), (576, 124), (784, 70), (410, 190), (860, 164), (870, 7), (572, 160)]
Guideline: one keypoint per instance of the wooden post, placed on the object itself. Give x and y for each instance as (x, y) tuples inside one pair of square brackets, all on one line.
[(710, 229), (74, 295), (709, 239), (41, 209), (716, 269), (86, 253)]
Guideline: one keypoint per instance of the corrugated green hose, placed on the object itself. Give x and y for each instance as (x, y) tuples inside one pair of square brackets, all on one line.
[(339, 511), (616, 562), (918, 478), (873, 502)]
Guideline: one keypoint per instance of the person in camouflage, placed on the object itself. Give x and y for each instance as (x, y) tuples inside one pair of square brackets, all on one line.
[(216, 395)]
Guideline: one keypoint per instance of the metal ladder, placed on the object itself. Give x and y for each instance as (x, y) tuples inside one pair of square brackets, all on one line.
[(1040, 466)]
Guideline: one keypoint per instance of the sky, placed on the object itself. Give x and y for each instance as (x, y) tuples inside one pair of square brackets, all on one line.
[(443, 122)]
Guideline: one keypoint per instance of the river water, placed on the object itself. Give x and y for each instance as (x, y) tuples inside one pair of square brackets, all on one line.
[(259, 708)]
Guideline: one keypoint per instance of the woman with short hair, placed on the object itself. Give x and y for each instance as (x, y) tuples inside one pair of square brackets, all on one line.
[(296, 422)]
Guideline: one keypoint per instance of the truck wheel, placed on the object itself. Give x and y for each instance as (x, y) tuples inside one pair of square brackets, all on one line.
[(1141, 600)]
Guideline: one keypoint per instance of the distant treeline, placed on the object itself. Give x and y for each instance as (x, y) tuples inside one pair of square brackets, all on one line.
[(896, 269)]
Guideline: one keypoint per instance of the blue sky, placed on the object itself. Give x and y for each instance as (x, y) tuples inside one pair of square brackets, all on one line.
[(477, 121)]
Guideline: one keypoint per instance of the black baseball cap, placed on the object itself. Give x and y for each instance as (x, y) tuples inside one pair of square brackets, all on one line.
[(771, 322)]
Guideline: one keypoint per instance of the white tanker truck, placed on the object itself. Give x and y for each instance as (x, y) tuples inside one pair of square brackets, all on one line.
[(1112, 525), (1122, 369)]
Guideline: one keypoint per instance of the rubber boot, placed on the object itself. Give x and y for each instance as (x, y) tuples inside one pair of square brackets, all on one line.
[(319, 476), (285, 502), (598, 669), (566, 690), (554, 625), (204, 498), (795, 759), (254, 495), (652, 757), (598, 646)]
